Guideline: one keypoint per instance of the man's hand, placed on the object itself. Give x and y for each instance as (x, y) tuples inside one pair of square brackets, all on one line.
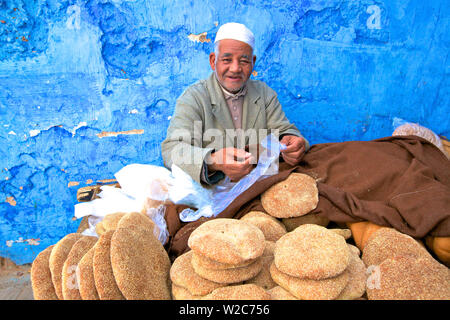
[(295, 149), (235, 163)]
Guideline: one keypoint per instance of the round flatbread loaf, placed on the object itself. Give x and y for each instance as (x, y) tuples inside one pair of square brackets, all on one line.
[(356, 286), (227, 276), (85, 276), (270, 226), (228, 241), (180, 293), (293, 197), (307, 289), (109, 222), (263, 278), (70, 287), (140, 264), (312, 252), (409, 278), (278, 293), (57, 258), (309, 218), (139, 220), (207, 263), (105, 282), (346, 233), (239, 292), (183, 275), (387, 243), (41, 277)]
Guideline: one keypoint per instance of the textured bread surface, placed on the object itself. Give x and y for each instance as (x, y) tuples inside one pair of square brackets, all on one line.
[(140, 264), (57, 258), (70, 285), (41, 277), (229, 241), (293, 197), (312, 252)]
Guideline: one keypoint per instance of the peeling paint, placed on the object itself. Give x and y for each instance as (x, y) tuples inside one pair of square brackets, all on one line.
[(89, 181), (72, 184), (31, 242), (107, 180), (201, 37), (11, 201), (104, 134)]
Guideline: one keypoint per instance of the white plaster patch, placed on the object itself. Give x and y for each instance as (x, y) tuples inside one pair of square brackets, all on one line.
[(134, 111), (34, 132), (12, 132)]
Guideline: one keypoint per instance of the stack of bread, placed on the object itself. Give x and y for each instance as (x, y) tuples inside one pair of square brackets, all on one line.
[(126, 262), (224, 253), (315, 263)]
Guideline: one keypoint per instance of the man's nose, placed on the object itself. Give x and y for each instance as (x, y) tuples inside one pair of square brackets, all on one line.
[(235, 67)]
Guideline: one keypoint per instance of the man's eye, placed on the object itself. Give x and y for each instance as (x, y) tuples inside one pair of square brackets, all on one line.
[(245, 61), (226, 60)]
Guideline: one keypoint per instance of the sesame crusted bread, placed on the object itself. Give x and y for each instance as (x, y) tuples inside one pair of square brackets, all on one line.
[(263, 278), (239, 292), (227, 276), (307, 289), (138, 220), (85, 276), (293, 197), (228, 241), (387, 243), (109, 222), (57, 258), (270, 226), (356, 286), (105, 282), (278, 293), (406, 277), (69, 279), (140, 264), (41, 277), (312, 252), (183, 275), (180, 293)]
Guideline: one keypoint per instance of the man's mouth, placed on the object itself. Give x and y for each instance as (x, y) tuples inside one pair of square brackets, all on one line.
[(234, 78)]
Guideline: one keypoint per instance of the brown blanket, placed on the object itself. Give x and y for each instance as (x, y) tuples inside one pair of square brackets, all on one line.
[(399, 182)]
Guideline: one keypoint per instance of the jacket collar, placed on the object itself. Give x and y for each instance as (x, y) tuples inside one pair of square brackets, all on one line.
[(250, 109)]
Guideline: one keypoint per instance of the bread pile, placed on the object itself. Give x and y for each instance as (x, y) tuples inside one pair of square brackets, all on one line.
[(402, 269), (126, 262), (315, 263), (224, 253)]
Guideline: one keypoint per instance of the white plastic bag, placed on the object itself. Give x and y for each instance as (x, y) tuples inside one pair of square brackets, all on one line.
[(138, 183), (210, 202)]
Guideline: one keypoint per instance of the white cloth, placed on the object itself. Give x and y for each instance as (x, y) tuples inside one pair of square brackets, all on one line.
[(236, 31)]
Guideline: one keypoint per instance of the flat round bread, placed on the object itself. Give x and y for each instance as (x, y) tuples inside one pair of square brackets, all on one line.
[(140, 264), (207, 263), (309, 218), (263, 278), (387, 243), (270, 226), (409, 278), (346, 233), (138, 220), (307, 289), (312, 252), (356, 286), (228, 276), (109, 222), (105, 282), (69, 278), (278, 293), (85, 276), (293, 197), (41, 277), (180, 293), (57, 258), (239, 292), (183, 275), (228, 241)]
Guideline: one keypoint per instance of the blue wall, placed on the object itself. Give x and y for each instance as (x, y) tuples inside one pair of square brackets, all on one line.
[(70, 70)]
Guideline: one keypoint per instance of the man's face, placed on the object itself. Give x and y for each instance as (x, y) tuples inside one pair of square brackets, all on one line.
[(233, 65)]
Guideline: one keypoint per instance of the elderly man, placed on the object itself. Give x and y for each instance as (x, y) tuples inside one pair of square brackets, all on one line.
[(216, 120)]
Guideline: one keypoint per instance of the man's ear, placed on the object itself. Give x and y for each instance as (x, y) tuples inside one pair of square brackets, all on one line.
[(212, 60), (254, 60)]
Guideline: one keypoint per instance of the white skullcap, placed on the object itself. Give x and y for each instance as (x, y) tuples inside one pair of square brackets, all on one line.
[(236, 31)]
